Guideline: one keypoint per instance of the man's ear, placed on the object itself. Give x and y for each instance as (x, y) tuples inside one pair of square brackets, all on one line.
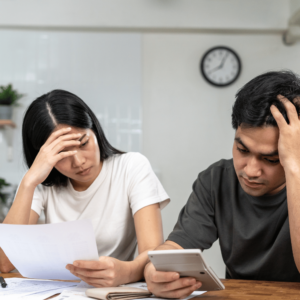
[(296, 101)]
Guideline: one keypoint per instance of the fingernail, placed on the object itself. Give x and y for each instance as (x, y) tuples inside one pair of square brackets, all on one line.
[(175, 276), (75, 263), (199, 284)]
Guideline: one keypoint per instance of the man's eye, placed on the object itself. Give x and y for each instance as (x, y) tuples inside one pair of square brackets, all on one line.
[(242, 150), (272, 161)]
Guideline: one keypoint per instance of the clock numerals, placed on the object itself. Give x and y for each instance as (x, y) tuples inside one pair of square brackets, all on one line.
[(220, 66)]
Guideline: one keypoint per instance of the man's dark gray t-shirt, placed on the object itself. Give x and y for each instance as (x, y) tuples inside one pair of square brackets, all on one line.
[(253, 231)]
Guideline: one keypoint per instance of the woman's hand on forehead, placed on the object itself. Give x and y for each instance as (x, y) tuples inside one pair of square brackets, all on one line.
[(52, 152)]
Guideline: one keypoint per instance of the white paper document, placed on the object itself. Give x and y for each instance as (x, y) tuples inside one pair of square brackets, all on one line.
[(20, 288), (43, 251), (78, 293), (44, 295)]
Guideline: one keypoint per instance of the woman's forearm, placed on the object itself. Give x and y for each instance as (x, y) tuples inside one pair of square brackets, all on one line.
[(19, 213), (136, 267), (5, 264)]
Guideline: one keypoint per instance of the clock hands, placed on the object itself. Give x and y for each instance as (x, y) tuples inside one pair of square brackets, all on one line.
[(223, 60), (221, 65), (213, 70)]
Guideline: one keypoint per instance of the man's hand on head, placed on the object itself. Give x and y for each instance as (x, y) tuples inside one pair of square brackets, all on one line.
[(289, 136)]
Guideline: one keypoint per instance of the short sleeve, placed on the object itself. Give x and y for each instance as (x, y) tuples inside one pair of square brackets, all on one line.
[(144, 188), (195, 227), (38, 201)]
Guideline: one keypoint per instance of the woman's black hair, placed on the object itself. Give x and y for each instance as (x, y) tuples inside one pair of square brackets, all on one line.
[(50, 110), (253, 100)]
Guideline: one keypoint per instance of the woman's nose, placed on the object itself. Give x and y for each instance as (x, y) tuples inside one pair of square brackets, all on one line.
[(78, 159)]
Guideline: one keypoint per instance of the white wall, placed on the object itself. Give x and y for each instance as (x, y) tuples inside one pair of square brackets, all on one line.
[(187, 122), (104, 69), (145, 14), (294, 6)]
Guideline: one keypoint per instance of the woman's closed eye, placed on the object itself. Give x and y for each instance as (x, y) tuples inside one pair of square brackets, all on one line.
[(84, 144)]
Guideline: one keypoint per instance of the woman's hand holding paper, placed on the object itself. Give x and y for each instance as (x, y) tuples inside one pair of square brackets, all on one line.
[(106, 272)]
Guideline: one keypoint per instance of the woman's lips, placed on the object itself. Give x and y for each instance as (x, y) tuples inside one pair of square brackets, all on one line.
[(84, 172)]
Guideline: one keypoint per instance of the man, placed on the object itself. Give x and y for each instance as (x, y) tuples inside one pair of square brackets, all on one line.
[(251, 202)]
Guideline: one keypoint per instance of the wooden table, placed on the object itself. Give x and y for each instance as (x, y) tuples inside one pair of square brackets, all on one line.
[(255, 290), (242, 290)]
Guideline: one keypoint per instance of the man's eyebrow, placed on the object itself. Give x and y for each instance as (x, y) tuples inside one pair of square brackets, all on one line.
[(80, 139), (237, 139), (274, 153)]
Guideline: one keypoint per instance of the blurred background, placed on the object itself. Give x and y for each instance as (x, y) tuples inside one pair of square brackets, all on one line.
[(137, 65)]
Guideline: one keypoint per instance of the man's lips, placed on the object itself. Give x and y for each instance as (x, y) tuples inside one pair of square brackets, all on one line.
[(252, 184)]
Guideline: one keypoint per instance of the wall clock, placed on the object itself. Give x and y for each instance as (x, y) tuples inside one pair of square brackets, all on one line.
[(220, 66)]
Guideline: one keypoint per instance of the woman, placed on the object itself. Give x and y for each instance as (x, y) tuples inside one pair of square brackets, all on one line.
[(74, 173)]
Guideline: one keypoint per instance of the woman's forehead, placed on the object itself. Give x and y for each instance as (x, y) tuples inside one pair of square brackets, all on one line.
[(86, 131)]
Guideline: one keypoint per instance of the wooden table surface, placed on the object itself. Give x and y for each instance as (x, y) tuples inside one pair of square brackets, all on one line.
[(242, 289)]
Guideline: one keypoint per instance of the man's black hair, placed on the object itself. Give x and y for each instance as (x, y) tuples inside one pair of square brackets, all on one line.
[(254, 99), (47, 112)]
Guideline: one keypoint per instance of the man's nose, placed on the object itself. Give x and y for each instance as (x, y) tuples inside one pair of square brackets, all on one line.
[(253, 168)]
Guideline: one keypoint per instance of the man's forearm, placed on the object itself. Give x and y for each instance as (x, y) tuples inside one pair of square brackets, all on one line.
[(168, 245), (293, 199), (137, 266)]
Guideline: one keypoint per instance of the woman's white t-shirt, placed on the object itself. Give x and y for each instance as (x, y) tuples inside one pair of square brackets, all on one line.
[(125, 184)]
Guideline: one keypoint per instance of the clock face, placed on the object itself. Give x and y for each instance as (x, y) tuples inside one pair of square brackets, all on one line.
[(220, 66)]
